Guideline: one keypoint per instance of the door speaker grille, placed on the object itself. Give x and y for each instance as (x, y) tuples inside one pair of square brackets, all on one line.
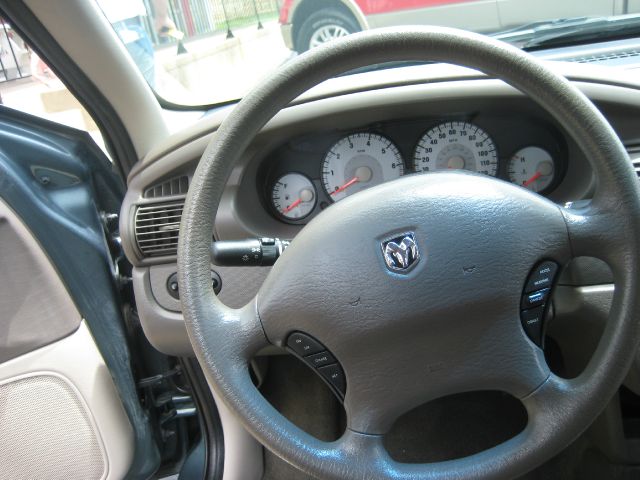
[(46, 432)]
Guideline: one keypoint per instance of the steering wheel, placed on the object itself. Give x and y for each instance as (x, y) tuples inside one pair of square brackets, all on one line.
[(449, 324)]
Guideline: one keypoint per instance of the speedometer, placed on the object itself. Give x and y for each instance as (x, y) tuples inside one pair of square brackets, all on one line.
[(455, 146), (360, 161)]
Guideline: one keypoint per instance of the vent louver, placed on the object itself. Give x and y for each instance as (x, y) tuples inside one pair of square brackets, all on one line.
[(173, 186), (635, 161), (157, 228)]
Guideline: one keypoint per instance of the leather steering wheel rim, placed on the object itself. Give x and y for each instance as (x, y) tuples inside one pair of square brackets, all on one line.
[(224, 340)]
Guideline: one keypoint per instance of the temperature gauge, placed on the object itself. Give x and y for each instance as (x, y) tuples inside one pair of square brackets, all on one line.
[(532, 168), (293, 196)]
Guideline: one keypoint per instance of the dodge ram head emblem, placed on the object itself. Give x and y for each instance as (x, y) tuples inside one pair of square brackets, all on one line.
[(401, 253)]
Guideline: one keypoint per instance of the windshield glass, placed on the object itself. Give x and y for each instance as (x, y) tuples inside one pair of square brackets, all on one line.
[(204, 52)]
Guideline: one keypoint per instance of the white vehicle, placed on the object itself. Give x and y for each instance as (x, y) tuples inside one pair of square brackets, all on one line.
[(308, 23)]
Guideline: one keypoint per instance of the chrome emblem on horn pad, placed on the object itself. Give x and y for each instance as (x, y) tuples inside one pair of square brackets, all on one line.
[(401, 253)]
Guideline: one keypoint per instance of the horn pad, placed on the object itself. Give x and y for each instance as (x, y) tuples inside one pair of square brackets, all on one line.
[(418, 282)]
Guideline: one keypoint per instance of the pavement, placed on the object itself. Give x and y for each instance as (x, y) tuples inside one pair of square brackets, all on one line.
[(217, 68)]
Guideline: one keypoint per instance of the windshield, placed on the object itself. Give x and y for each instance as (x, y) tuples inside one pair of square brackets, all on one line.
[(205, 52)]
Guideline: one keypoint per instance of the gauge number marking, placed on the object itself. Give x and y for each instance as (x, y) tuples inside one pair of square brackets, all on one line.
[(454, 146), (359, 161)]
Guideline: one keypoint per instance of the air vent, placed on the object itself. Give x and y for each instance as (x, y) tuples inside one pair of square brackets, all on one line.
[(635, 161), (603, 57), (174, 186), (157, 228)]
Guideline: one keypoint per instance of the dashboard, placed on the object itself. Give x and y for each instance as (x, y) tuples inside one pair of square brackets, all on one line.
[(349, 134), (310, 172)]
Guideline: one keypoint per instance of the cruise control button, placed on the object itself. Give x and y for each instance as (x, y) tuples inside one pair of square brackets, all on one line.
[(303, 344), (542, 276), (532, 324), (335, 376), (534, 299), (320, 359)]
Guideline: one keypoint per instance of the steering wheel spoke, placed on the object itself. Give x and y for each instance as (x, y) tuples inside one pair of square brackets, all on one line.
[(250, 328), (237, 332), (554, 391), (502, 359), (596, 230)]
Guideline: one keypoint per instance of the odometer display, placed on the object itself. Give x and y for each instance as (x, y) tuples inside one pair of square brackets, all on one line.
[(456, 146)]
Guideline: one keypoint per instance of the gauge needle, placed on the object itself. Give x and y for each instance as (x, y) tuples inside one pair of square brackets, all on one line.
[(533, 178), (292, 206), (345, 186)]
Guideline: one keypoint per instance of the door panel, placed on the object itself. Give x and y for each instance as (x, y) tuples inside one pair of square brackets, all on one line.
[(35, 308), (60, 413), (58, 187)]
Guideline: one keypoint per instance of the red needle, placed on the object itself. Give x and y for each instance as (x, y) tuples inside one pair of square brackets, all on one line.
[(345, 186), (533, 178), (292, 206)]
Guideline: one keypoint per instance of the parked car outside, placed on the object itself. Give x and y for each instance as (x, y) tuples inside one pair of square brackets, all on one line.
[(308, 23)]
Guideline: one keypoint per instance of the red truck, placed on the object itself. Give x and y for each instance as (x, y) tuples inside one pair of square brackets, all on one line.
[(308, 23)]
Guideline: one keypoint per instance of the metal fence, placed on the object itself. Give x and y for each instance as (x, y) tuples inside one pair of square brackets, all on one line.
[(14, 55), (199, 18)]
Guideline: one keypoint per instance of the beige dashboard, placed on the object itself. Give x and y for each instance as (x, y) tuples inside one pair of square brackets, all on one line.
[(158, 185)]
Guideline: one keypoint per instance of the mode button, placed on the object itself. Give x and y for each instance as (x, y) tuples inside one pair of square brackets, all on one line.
[(542, 276)]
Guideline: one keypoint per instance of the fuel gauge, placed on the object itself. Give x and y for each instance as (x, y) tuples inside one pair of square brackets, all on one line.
[(293, 196), (532, 168)]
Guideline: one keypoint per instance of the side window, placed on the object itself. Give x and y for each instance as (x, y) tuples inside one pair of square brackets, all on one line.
[(29, 85)]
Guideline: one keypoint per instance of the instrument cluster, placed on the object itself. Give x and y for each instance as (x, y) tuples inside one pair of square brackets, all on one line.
[(310, 173)]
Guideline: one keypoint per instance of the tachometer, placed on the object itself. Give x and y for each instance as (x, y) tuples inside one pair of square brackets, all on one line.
[(293, 196), (455, 146), (360, 161)]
